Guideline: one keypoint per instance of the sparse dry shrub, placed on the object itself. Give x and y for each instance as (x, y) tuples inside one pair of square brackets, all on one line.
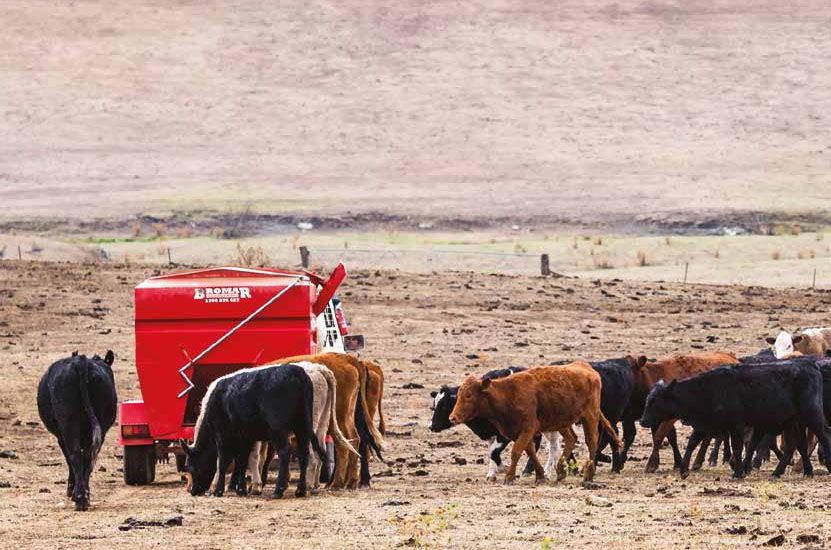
[(183, 232), (778, 230), (125, 258), (805, 254), (603, 263), (136, 230), (218, 232), (598, 241), (519, 249), (252, 256), (820, 237), (668, 240), (642, 261), (776, 255), (161, 250), (345, 245), (717, 254), (796, 229), (159, 229), (574, 245), (294, 240)]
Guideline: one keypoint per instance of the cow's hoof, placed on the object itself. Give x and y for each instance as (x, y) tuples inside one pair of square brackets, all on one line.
[(540, 480), (256, 492), (81, 505), (561, 476), (300, 492), (684, 474), (604, 458), (696, 467), (219, 493), (651, 468), (491, 478), (364, 485), (277, 494), (509, 481), (242, 492), (501, 469), (738, 475)]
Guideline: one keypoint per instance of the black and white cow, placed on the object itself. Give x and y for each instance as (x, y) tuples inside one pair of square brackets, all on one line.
[(445, 399), (77, 404), (257, 404), (784, 396)]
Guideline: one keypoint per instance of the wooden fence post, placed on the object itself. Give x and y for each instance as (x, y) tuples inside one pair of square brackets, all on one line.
[(304, 256), (686, 269), (545, 268), (169, 260), (814, 284), (19, 253)]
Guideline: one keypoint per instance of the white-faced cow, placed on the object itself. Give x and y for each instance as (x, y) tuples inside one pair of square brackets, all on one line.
[(77, 404), (812, 341)]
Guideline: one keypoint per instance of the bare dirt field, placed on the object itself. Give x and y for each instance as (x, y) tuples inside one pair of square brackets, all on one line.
[(423, 329)]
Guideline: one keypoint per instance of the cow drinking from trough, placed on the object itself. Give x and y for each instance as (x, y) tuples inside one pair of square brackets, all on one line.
[(257, 404), (541, 399), (77, 404)]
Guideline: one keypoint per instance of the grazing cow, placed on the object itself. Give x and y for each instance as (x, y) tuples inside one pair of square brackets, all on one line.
[(77, 404), (677, 367), (777, 397), (812, 341), (617, 385), (445, 399), (352, 414), (323, 422), (256, 404), (541, 399)]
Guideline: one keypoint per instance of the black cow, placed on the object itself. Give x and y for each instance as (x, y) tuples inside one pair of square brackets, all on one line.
[(618, 383), (445, 399), (77, 404), (256, 404), (778, 397)]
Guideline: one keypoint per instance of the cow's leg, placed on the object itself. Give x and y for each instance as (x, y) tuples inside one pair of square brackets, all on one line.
[(752, 446), (529, 465), (672, 437), (590, 424), (762, 452), (629, 433), (713, 459), (281, 447), (225, 458), (817, 425), (737, 443), (255, 467), (659, 433), (70, 481), (569, 441), (71, 433), (520, 445), (531, 451), (788, 448), (363, 449), (802, 446), (702, 452), (554, 448), (696, 438), (267, 455), (302, 462), (493, 458), (240, 466), (353, 477), (810, 443)]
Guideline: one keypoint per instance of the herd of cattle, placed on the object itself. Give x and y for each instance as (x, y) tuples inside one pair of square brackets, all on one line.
[(287, 407)]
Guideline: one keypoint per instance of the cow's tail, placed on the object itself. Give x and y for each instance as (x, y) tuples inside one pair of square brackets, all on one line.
[(331, 403), (363, 422), (382, 426), (609, 430), (309, 393), (82, 368)]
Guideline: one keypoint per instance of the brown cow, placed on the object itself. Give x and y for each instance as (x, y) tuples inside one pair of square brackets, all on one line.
[(350, 375), (676, 367), (541, 399)]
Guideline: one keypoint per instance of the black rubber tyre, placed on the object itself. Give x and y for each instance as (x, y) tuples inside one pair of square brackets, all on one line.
[(139, 464)]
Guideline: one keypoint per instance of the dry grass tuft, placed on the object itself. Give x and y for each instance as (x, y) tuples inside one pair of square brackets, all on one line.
[(776, 255), (642, 259), (252, 256)]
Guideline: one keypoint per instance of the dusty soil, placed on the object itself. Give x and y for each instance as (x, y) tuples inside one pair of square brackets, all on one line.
[(423, 329), (586, 110)]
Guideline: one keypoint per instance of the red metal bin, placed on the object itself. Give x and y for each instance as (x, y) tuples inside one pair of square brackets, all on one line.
[(193, 327)]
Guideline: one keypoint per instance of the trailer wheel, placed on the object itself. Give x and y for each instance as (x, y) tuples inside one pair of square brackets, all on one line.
[(139, 464)]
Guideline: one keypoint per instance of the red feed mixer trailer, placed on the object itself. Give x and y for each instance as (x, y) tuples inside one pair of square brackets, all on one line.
[(193, 327)]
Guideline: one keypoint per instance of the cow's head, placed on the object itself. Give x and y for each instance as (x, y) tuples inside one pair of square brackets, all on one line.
[(200, 467), (443, 402), (660, 405), (468, 399), (783, 344), (636, 364)]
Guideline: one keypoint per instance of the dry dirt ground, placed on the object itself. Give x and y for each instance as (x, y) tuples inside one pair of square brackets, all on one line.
[(423, 329), (585, 109)]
